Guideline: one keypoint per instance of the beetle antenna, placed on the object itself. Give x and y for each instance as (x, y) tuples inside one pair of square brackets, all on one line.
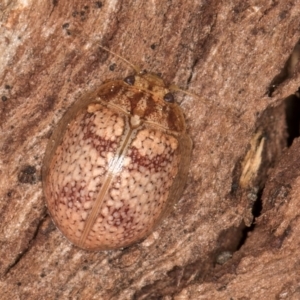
[(175, 88), (135, 68)]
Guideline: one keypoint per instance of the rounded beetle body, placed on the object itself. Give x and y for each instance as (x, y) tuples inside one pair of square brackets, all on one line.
[(116, 162)]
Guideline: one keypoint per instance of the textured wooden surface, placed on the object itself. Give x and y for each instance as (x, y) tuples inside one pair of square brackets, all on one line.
[(225, 53)]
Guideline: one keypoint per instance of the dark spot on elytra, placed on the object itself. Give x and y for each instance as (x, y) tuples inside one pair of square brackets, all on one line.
[(156, 162), (103, 145)]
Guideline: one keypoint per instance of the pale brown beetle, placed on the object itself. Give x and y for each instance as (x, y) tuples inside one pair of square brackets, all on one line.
[(116, 162)]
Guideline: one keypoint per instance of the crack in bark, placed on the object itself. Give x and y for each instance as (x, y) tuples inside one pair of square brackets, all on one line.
[(25, 250), (287, 71)]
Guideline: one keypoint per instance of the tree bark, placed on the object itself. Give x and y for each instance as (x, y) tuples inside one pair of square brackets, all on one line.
[(241, 175)]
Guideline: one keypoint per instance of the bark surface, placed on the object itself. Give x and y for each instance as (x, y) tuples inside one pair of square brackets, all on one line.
[(242, 173)]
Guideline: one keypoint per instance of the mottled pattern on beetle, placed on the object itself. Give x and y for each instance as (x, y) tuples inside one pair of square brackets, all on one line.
[(146, 105), (137, 196), (137, 193), (79, 166)]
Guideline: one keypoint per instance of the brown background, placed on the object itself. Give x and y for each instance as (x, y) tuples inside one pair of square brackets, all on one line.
[(227, 53)]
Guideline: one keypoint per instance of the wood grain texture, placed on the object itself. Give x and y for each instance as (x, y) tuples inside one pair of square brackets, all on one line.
[(227, 53)]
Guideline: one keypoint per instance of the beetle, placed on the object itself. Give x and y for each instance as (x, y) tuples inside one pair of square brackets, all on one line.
[(117, 162)]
